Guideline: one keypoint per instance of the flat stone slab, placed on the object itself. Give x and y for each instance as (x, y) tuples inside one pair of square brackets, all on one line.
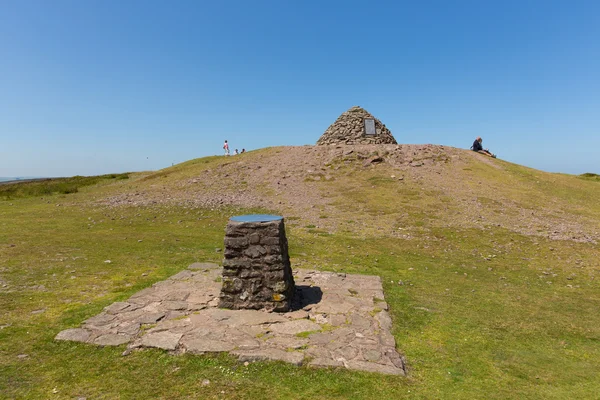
[(295, 327), (337, 321), (74, 335), (163, 340), (112, 339)]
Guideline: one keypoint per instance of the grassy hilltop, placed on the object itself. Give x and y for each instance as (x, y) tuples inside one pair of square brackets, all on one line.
[(491, 271)]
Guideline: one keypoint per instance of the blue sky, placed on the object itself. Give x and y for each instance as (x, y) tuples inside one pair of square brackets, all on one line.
[(99, 86)]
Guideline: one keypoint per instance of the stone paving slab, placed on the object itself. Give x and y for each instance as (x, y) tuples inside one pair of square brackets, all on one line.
[(337, 320)]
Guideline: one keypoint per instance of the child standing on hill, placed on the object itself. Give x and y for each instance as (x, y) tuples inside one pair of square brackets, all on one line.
[(226, 148)]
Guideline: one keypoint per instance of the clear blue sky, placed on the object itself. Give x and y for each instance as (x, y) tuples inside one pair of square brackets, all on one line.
[(99, 86)]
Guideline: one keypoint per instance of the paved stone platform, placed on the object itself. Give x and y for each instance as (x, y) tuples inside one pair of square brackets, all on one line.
[(338, 320)]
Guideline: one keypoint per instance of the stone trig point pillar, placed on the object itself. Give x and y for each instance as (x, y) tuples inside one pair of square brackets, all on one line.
[(256, 270)]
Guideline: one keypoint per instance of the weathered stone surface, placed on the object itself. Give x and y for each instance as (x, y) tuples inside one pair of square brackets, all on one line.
[(287, 342), (174, 325), (351, 330), (325, 362), (151, 318), (112, 339), (333, 306), (163, 340), (349, 128), (175, 305), (295, 327), (337, 319), (247, 344), (373, 355), (177, 295), (373, 367), (321, 338), (257, 273), (298, 314), (360, 321), (384, 320), (74, 335), (346, 352), (182, 275), (200, 345), (387, 339), (291, 357), (252, 317), (116, 307), (130, 329), (200, 298)]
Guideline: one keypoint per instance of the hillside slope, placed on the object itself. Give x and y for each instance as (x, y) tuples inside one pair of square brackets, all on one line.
[(382, 189), (488, 269)]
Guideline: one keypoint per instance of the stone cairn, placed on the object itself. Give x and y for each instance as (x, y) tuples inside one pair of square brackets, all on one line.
[(349, 128), (256, 270)]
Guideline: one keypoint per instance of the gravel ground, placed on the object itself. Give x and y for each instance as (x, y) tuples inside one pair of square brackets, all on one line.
[(308, 182)]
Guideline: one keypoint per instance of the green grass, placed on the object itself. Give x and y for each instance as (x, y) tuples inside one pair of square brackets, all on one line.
[(51, 186), (478, 313), (590, 176)]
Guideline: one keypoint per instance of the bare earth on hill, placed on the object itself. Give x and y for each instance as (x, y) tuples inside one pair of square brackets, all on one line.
[(370, 189)]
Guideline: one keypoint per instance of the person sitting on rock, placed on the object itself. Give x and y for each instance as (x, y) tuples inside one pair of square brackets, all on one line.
[(479, 148)]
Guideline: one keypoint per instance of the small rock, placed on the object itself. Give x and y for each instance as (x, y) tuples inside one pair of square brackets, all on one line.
[(75, 335), (112, 339), (205, 382), (22, 356), (162, 340)]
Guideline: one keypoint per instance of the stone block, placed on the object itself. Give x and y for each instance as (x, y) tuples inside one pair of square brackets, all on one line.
[(255, 252), (256, 268), (236, 242), (270, 241), (254, 238)]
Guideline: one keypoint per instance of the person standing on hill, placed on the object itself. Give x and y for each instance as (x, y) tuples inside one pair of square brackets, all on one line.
[(226, 148), (479, 148)]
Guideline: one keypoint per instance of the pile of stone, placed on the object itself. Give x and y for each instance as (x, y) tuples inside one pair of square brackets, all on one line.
[(338, 320), (256, 270), (350, 128), (327, 320)]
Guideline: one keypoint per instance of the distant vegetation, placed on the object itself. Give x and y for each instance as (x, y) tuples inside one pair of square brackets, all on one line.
[(47, 187), (590, 176)]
